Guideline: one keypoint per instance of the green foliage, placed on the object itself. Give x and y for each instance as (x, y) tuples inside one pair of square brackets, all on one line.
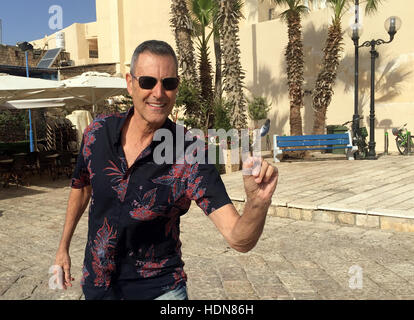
[(371, 6), (14, 124), (258, 108), (202, 11), (188, 98), (222, 109), (122, 104), (126, 103), (295, 7)]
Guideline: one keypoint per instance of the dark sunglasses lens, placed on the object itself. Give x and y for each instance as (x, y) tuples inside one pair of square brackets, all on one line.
[(170, 83), (147, 82)]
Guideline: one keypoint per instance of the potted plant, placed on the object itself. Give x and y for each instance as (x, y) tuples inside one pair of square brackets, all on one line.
[(258, 109)]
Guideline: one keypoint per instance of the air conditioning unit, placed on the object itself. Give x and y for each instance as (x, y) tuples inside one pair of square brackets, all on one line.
[(67, 63)]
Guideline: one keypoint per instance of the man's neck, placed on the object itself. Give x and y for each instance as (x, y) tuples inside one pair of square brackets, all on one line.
[(139, 130)]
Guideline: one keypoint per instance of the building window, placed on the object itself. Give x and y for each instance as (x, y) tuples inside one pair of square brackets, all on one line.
[(93, 54), (271, 13), (93, 49)]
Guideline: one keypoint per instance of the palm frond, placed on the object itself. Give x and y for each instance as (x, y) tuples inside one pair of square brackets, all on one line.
[(300, 10), (338, 7), (372, 6)]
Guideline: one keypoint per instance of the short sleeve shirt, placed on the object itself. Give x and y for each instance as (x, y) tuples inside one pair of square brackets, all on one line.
[(134, 213)]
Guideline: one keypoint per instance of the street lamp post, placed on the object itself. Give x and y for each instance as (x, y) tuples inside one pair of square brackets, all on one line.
[(355, 39), (392, 25), (25, 46)]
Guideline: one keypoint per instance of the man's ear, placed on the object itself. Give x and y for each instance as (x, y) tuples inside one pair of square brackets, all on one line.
[(129, 80)]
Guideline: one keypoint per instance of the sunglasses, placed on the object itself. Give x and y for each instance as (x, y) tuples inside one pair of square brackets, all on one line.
[(147, 82)]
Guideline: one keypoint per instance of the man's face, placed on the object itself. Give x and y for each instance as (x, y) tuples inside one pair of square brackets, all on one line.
[(152, 105)]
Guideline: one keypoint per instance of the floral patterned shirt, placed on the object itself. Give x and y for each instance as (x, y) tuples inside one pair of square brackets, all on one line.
[(134, 213)]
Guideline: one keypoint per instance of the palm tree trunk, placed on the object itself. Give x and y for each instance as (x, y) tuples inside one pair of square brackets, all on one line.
[(323, 92), (217, 52), (182, 26), (232, 70), (206, 86), (294, 61), (206, 78)]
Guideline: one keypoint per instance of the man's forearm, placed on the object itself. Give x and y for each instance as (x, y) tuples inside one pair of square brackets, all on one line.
[(77, 203), (249, 227)]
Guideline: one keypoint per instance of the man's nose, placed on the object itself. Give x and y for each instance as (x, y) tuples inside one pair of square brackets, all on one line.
[(158, 90)]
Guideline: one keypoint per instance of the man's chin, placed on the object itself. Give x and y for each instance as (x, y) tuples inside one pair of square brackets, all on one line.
[(157, 120)]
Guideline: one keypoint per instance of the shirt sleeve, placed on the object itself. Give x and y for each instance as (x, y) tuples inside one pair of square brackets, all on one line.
[(206, 188), (81, 176)]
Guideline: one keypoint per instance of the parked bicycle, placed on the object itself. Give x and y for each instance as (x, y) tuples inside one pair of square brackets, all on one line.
[(359, 140), (404, 143)]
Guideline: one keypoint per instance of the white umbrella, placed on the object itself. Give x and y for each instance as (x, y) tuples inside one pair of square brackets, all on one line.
[(90, 88), (35, 103), (93, 87), (17, 88)]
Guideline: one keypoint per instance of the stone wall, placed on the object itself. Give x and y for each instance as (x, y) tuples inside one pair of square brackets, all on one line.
[(69, 72), (12, 55), (343, 218)]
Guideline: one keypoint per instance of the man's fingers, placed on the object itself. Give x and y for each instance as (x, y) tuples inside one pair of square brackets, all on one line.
[(270, 173), (67, 277), (252, 166), (263, 169)]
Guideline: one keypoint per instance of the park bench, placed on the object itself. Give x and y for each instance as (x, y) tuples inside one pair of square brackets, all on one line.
[(314, 142)]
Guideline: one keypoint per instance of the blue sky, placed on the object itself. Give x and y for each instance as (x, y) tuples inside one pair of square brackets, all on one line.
[(26, 20)]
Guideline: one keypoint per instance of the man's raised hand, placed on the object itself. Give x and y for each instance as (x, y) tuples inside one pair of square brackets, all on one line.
[(260, 180)]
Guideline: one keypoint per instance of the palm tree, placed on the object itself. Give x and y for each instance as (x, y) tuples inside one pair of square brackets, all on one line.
[(182, 26), (202, 11), (294, 60), (322, 94), (229, 17), (217, 52)]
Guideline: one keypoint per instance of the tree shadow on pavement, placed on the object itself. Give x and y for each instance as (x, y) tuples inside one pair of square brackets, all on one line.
[(37, 185)]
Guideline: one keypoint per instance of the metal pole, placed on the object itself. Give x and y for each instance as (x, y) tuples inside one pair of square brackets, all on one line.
[(30, 112), (355, 119), (371, 144), (386, 142)]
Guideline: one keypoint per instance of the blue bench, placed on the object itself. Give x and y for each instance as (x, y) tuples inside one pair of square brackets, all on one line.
[(314, 142)]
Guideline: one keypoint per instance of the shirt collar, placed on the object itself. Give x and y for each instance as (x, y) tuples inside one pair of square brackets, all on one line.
[(168, 124)]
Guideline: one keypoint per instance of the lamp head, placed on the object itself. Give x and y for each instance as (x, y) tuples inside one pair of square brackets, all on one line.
[(392, 25), (24, 46), (355, 31)]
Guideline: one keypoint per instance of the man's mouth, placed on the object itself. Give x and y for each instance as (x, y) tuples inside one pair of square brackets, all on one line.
[(156, 105)]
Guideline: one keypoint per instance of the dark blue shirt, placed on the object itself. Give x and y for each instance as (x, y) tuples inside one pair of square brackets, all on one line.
[(133, 249)]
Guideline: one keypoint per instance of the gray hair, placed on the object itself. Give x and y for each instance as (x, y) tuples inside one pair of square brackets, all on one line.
[(156, 47)]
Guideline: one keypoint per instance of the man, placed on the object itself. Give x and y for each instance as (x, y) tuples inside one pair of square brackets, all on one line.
[(133, 247)]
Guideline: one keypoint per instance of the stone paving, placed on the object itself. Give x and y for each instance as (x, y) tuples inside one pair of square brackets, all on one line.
[(370, 193), (294, 259)]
